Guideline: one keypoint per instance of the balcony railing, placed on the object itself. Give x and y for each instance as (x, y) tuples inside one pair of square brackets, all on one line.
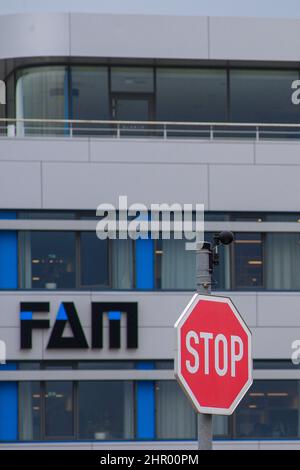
[(147, 129)]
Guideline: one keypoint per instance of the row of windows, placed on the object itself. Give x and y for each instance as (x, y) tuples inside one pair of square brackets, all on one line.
[(146, 93), (208, 216), (106, 410), (68, 260)]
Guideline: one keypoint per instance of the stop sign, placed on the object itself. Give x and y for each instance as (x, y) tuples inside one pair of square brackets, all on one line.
[(213, 359)]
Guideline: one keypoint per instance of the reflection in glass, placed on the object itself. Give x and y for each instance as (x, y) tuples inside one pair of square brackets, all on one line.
[(269, 410), (106, 410), (59, 409)]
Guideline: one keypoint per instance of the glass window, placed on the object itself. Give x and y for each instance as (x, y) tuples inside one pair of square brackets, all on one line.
[(248, 261), (42, 93), (262, 96), (220, 426), (58, 365), (90, 98), (164, 364), (94, 260), (247, 217), (122, 264), (107, 365), (29, 411), (269, 410), (280, 364), (132, 80), (59, 410), (191, 94), (46, 215), (283, 217), (216, 216), (29, 365), (282, 253), (48, 259), (175, 416), (106, 410), (176, 266)]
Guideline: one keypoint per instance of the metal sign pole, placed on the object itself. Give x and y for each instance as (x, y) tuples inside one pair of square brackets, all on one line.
[(203, 279)]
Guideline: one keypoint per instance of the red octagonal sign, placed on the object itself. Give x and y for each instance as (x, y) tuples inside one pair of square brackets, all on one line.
[(213, 360)]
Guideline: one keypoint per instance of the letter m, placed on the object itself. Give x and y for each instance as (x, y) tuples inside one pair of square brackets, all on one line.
[(114, 312)]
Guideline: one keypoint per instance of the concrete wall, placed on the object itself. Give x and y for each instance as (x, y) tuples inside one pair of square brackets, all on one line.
[(65, 173), (148, 36)]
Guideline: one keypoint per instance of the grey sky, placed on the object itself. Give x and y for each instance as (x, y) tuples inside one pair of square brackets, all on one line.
[(263, 8)]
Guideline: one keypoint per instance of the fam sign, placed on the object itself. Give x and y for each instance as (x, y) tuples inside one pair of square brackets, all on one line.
[(32, 318)]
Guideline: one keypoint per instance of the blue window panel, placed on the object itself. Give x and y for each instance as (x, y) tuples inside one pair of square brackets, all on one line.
[(144, 263), (8, 255), (8, 407), (145, 396)]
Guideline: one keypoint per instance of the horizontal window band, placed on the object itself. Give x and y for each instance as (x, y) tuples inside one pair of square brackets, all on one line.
[(83, 225)]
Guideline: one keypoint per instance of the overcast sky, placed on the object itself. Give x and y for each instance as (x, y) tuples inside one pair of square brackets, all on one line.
[(265, 8)]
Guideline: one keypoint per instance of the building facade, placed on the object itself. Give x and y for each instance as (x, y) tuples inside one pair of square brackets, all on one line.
[(162, 109)]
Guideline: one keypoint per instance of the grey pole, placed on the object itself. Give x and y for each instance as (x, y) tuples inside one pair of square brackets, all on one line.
[(203, 276)]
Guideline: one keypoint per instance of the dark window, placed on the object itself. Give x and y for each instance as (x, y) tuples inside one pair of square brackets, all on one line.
[(90, 99), (94, 260), (59, 410), (105, 365), (106, 410), (132, 80), (248, 261), (269, 410), (263, 96), (191, 95), (49, 260)]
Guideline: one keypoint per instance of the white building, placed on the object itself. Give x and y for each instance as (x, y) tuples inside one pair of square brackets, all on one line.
[(231, 79)]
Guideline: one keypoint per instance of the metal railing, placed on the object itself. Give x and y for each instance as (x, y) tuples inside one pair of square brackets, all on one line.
[(146, 129)]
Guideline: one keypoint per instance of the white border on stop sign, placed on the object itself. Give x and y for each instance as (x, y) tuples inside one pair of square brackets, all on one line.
[(185, 314)]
